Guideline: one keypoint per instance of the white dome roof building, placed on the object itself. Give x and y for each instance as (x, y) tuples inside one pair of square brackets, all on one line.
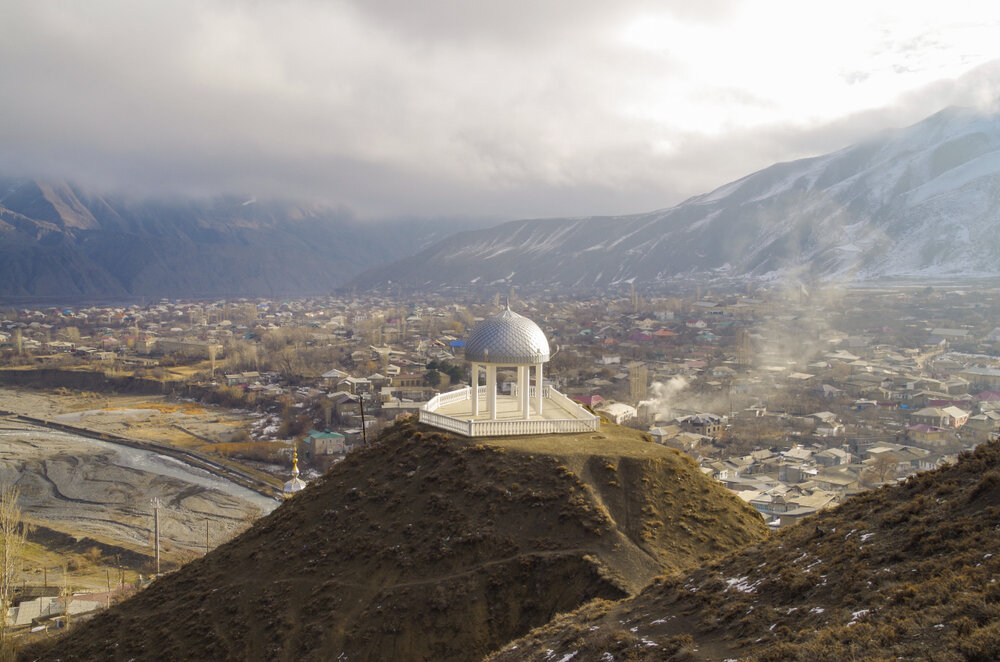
[(506, 340)]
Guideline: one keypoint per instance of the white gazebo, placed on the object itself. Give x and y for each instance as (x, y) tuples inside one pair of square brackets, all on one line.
[(507, 340)]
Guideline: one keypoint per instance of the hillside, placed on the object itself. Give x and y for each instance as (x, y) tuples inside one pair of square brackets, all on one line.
[(907, 572), (60, 242), (918, 202), (431, 547)]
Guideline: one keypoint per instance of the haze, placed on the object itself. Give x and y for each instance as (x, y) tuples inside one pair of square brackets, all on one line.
[(466, 110)]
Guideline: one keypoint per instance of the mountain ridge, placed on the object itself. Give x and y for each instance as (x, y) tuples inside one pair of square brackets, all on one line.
[(917, 202), (60, 242)]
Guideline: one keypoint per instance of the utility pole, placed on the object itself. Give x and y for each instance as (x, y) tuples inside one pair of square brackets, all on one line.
[(67, 596), (364, 428), (156, 533)]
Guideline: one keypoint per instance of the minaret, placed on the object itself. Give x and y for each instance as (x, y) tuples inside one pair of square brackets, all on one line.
[(295, 484)]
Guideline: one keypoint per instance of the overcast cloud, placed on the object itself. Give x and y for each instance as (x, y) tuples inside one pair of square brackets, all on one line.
[(456, 108)]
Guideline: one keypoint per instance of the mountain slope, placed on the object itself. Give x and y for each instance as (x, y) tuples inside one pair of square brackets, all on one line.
[(905, 572), (430, 547), (62, 242), (917, 202)]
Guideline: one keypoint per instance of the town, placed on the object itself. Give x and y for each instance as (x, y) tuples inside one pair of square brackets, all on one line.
[(793, 399)]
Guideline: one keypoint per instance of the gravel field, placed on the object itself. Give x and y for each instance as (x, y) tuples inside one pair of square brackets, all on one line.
[(87, 487)]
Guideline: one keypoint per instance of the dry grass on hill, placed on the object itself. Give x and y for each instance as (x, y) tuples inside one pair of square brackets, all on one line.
[(430, 547), (907, 572)]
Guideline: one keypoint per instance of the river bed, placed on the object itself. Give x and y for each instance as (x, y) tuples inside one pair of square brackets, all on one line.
[(105, 491)]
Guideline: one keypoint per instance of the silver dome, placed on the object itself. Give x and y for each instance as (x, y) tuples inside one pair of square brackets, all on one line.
[(507, 338)]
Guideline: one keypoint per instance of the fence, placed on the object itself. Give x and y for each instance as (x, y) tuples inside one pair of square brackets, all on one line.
[(583, 420)]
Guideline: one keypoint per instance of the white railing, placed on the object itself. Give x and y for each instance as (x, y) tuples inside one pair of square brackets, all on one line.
[(531, 391), (541, 426), (582, 421), (454, 396), (565, 401), (445, 422)]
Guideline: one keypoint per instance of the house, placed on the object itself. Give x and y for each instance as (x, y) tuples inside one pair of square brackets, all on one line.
[(926, 433), (354, 385), (950, 334), (332, 377), (836, 480), (795, 515), (982, 377), (956, 417), (589, 400), (798, 453), (721, 470), (826, 417), (704, 424), (827, 391), (617, 412), (832, 457), (988, 400), (932, 416), (242, 378), (324, 443), (661, 434), (987, 423), (407, 380), (322, 449)]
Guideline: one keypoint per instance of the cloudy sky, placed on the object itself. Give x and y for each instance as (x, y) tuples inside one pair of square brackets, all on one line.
[(459, 108)]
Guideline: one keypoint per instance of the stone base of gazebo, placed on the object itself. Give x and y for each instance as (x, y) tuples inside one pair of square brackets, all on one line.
[(453, 411)]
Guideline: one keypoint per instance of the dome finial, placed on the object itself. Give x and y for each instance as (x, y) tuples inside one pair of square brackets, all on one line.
[(296, 484)]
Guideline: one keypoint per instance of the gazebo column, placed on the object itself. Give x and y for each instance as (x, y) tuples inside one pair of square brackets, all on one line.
[(538, 389), (523, 390), (474, 379), (491, 391)]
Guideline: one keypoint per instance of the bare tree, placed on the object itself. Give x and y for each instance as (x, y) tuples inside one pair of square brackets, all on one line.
[(13, 533), (881, 469)]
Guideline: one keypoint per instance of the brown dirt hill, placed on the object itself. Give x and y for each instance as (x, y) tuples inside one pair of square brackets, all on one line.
[(430, 547), (908, 572)]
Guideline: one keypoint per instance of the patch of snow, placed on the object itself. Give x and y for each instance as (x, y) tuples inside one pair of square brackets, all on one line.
[(983, 166), (742, 585), (861, 613)]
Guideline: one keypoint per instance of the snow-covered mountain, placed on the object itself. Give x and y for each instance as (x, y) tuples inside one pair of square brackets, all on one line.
[(920, 202)]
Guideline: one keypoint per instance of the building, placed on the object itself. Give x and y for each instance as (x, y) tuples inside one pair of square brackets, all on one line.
[(617, 412), (507, 340)]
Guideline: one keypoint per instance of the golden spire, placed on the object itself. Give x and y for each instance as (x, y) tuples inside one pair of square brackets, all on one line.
[(295, 484)]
